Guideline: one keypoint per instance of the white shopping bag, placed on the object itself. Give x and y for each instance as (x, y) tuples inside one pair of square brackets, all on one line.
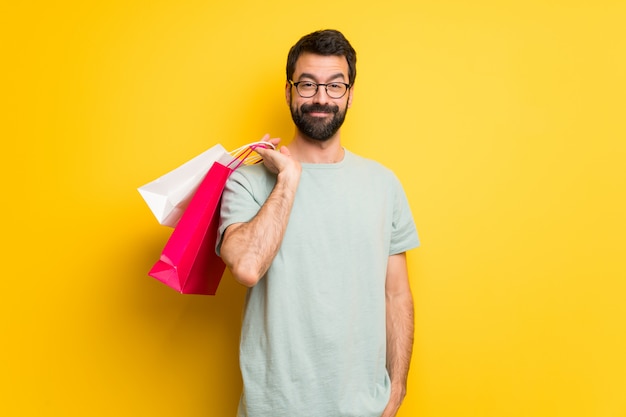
[(169, 195)]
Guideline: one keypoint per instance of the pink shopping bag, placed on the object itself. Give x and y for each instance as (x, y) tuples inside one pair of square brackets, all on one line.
[(188, 262)]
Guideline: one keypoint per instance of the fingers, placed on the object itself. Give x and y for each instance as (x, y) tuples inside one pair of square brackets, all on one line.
[(274, 141), (262, 151), (279, 161), (268, 138), (285, 151)]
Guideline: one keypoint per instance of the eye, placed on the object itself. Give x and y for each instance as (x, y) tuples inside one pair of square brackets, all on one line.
[(336, 88), (307, 84)]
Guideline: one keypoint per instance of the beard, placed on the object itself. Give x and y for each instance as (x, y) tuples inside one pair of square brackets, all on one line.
[(316, 128)]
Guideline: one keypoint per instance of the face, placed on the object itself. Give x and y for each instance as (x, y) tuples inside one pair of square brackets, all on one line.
[(319, 117)]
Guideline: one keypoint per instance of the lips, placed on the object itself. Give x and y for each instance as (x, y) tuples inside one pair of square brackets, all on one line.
[(318, 114)]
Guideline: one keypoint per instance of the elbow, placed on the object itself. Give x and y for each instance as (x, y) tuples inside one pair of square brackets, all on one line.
[(245, 268), (247, 277)]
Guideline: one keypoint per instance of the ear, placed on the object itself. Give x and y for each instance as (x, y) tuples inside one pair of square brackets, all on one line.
[(288, 93), (350, 94)]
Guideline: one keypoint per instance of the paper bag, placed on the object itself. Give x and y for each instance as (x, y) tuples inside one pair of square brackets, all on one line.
[(188, 262), (169, 195)]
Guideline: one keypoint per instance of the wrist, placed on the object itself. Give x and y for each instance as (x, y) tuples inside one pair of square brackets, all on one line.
[(398, 391), (289, 177)]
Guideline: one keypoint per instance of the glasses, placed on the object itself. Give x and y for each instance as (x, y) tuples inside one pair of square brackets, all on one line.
[(307, 89)]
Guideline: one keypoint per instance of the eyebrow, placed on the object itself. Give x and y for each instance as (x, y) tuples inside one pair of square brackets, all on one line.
[(311, 76)]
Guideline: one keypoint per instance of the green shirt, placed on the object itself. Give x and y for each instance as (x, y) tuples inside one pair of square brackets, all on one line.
[(313, 340)]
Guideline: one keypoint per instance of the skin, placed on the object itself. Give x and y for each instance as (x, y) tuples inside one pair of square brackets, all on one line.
[(319, 69), (400, 329), (248, 249)]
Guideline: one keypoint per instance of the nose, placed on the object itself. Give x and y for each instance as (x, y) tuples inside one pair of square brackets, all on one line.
[(321, 97)]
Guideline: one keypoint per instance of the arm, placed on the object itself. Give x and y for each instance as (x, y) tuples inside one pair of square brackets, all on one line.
[(249, 248), (399, 330)]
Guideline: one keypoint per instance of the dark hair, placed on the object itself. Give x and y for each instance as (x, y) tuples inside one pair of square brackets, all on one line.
[(323, 42)]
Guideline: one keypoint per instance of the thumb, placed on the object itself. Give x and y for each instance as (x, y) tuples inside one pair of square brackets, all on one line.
[(285, 151)]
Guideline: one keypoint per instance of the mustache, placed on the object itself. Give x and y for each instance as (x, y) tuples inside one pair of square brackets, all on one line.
[(319, 108)]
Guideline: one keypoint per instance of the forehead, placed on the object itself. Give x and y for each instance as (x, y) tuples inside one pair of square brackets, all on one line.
[(321, 67)]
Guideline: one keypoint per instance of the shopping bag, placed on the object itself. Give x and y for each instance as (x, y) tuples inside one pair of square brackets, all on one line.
[(169, 195), (188, 262)]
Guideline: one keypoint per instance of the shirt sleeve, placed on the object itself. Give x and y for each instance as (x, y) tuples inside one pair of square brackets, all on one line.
[(404, 233)]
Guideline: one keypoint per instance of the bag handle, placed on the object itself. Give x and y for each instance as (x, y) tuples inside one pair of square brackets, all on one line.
[(245, 155)]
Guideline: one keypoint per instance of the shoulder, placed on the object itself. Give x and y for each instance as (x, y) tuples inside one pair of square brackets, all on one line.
[(369, 167), (252, 173), (254, 178)]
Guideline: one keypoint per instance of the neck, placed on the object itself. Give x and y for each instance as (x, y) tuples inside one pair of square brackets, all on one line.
[(311, 151)]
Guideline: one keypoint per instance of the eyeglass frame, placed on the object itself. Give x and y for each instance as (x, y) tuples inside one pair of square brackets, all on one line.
[(317, 86)]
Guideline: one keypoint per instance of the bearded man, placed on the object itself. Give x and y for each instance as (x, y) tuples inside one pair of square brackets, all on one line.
[(319, 235)]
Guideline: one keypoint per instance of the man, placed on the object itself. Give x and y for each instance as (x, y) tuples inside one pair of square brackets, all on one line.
[(319, 236)]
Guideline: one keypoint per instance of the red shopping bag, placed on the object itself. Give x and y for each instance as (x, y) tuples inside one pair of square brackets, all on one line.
[(188, 262)]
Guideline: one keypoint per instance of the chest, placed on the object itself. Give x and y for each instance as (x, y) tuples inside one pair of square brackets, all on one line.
[(341, 208)]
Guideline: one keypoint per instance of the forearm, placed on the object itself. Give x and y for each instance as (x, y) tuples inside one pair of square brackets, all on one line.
[(400, 328), (248, 249)]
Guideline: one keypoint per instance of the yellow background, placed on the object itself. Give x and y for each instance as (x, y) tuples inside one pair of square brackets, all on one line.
[(503, 119)]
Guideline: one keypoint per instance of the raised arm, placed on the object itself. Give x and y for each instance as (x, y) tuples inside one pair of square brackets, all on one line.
[(248, 249), (400, 329)]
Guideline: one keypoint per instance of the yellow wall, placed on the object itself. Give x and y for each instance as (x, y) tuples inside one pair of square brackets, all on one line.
[(503, 119)]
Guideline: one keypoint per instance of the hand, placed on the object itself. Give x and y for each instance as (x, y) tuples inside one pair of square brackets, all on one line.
[(395, 400), (280, 162)]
